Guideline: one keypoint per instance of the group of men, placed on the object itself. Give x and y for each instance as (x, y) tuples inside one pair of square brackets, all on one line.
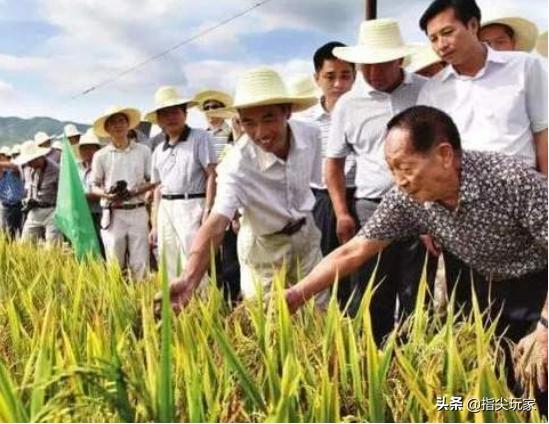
[(379, 175)]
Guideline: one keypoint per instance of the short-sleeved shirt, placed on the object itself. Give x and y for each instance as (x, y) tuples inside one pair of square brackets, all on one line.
[(41, 184), (270, 192), (359, 122), (499, 227), (132, 164), (321, 117), (500, 108), (180, 167), (221, 137)]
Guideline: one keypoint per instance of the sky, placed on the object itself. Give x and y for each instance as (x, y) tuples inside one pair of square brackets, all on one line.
[(53, 50)]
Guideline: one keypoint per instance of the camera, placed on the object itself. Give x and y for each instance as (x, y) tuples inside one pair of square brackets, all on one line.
[(120, 190)]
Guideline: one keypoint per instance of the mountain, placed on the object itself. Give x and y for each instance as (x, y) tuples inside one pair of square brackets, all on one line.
[(16, 130)]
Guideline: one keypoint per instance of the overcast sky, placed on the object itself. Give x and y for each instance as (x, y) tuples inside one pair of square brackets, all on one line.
[(51, 50)]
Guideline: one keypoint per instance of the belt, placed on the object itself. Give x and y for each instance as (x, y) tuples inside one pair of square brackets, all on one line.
[(128, 207), (292, 227), (370, 199), (183, 196), (44, 205)]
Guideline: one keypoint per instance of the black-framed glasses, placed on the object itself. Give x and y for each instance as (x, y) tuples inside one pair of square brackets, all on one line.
[(212, 106)]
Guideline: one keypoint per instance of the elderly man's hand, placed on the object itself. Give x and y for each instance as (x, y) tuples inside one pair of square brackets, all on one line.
[(531, 358), (345, 228), (294, 299), (180, 294), (431, 245)]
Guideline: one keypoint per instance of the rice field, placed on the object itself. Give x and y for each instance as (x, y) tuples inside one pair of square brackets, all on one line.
[(78, 343)]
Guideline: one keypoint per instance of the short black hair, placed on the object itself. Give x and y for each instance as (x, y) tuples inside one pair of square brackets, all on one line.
[(428, 127), (326, 53), (464, 10)]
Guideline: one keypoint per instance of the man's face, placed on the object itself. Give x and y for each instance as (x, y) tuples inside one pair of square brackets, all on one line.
[(383, 76), (172, 119), (498, 37), (213, 105), (423, 176), (74, 139), (117, 125), (450, 38), (87, 152), (266, 126), (37, 163), (3, 158), (335, 78)]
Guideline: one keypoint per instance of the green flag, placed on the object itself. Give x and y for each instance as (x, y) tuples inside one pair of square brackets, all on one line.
[(72, 213)]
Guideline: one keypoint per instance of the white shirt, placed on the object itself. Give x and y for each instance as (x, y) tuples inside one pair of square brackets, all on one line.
[(319, 116), (220, 138), (180, 168), (500, 108), (132, 164), (359, 121), (269, 191)]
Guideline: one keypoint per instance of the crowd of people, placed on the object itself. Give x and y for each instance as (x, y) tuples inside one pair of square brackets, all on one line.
[(389, 156)]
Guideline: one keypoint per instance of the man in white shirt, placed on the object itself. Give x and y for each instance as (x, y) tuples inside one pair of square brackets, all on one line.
[(266, 176)]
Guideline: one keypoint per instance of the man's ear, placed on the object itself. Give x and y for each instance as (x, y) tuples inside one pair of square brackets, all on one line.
[(446, 154), (474, 26)]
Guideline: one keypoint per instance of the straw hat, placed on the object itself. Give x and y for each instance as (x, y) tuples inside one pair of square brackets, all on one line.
[(526, 32), (423, 56), (304, 85), (57, 145), (89, 139), (133, 115), (41, 137), (212, 95), (70, 130), (166, 96), (263, 86), (379, 41), (541, 45), (5, 150), (30, 151), (15, 149)]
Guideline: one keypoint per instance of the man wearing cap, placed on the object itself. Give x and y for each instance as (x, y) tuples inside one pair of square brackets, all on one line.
[(120, 175), (73, 135), (358, 126), (267, 176), (505, 31), (44, 140), (183, 167)]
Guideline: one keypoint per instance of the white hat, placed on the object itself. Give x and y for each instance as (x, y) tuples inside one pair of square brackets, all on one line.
[(89, 139), (133, 115), (304, 85), (212, 95), (15, 149), (263, 86), (57, 145), (423, 56), (164, 97), (541, 45), (5, 150), (41, 137), (70, 130), (379, 41), (526, 32), (30, 151)]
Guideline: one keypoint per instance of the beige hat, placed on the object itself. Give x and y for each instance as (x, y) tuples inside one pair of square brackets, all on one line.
[(89, 139), (30, 151), (70, 130), (57, 145), (541, 45), (41, 137), (526, 32), (15, 149), (379, 41), (219, 96), (304, 85), (164, 97), (263, 86), (133, 115), (423, 56), (5, 150)]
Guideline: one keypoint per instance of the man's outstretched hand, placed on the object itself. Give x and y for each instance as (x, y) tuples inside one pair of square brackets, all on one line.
[(180, 294), (531, 358)]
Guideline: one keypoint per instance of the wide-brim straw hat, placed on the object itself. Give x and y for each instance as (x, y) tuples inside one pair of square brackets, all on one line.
[(304, 85), (166, 96), (89, 139), (212, 95), (423, 56), (263, 87), (30, 151), (379, 41), (15, 149), (133, 115), (70, 130), (57, 145), (541, 45), (41, 137), (5, 150), (526, 32)]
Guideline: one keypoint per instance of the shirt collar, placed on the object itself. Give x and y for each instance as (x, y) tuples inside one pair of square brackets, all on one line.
[(408, 79), (319, 112), (492, 56), (182, 137), (111, 147)]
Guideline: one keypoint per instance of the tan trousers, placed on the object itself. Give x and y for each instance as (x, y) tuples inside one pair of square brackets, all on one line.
[(39, 224)]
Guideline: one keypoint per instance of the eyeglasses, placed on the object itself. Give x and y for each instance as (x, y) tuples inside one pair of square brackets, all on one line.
[(213, 106)]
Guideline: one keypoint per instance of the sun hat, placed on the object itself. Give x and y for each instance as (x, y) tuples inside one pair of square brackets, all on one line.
[(41, 137), (5, 150), (262, 87), (423, 56), (166, 96), (379, 41), (57, 145), (541, 44), (70, 130), (133, 115), (212, 95), (89, 139), (526, 32), (30, 151), (15, 149), (304, 85)]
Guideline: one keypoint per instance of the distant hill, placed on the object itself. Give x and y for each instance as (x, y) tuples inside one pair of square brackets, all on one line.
[(15, 130)]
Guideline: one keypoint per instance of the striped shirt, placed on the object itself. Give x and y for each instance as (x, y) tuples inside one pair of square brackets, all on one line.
[(358, 125), (221, 138)]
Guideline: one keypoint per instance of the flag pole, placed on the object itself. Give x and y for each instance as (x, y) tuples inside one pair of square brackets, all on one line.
[(371, 9)]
